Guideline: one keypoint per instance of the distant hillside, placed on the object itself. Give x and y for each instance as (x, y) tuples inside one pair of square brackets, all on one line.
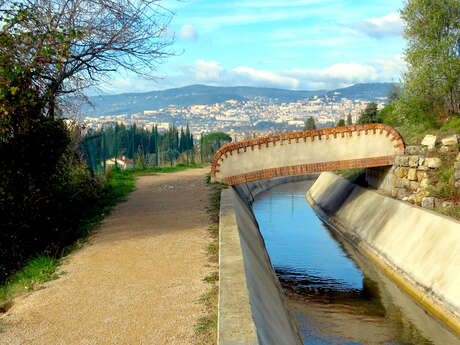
[(368, 91), (202, 94)]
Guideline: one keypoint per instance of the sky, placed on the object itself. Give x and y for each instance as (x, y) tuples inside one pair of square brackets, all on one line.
[(289, 44)]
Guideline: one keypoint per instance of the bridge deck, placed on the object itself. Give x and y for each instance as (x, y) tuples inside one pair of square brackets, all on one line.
[(296, 153)]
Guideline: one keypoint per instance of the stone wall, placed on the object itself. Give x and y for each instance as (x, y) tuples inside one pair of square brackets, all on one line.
[(415, 174)]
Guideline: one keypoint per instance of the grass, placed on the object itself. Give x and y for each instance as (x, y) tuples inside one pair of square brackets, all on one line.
[(176, 168), (357, 176), (453, 212), (206, 329), (31, 277), (42, 268)]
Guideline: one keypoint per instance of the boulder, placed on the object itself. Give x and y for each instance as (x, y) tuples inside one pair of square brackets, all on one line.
[(450, 141), (433, 162), (429, 141), (428, 202)]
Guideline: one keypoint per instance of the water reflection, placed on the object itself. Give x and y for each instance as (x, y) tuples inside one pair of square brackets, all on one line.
[(332, 300)]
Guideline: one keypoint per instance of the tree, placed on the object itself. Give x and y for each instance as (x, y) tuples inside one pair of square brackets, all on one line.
[(310, 124), (340, 123), (66, 45), (369, 115), (432, 81), (210, 143), (349, 120)]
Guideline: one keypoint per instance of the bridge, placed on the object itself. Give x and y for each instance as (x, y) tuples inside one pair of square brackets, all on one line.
[(298, 153)]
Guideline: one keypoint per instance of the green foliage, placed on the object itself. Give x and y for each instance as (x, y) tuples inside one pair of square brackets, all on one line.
[(210, 143), (453, 124), (369, 115), (37, 270), (141, 147), (310, 124), (432, 83), (340, 123)]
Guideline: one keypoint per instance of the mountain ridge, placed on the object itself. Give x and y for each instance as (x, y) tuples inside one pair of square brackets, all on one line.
[(206, 95)]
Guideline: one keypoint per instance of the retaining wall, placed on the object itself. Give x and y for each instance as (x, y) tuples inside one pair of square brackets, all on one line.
[(417, 248), (252, 308)]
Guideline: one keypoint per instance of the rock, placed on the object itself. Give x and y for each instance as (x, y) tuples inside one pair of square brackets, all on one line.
[(401, 172), (425, 183), (447, 204), (429, 141), (412, 174), (421, 160), (420, 195), (450, 141), (457, 175), (423, 167), (413, 161), (415, 150), (402, 161), (447, 149), (457, 184), (421, 175), (458, 158), (401, 183), (394, 192), (457, 165), (444, 149), (411, 199), (433, 162), (402, 193), (428, 202), (414, 185)]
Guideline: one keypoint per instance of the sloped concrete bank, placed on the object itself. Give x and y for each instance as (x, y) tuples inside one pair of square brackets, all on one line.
[(417, 248), (252, 308)]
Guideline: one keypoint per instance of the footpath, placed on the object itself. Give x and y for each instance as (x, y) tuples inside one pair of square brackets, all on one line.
[(137, 281)]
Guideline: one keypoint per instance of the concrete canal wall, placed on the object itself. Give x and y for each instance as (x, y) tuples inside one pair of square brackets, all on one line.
[(417, 248), (252, 309)]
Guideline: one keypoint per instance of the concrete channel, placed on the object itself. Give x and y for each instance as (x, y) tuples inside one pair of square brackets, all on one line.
[(416, 248)]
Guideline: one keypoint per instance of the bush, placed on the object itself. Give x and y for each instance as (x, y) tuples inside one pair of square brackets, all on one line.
[(44, 191)]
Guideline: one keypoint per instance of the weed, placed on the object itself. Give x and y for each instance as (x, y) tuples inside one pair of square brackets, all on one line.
[(37, 271), (205, 323), (212, 278), (212, 249)]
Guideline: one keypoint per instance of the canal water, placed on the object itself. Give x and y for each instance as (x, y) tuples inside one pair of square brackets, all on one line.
[(335, 294)]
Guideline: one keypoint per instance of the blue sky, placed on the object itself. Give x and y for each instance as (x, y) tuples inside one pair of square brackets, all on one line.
[(293, 44)]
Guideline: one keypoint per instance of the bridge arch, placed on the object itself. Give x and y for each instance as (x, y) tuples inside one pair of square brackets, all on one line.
[(297, 153)]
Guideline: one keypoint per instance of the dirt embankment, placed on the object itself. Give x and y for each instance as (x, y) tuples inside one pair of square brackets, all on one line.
[(139, 279)]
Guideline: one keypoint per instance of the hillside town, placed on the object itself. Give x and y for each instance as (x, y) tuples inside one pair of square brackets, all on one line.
[(242, 119)]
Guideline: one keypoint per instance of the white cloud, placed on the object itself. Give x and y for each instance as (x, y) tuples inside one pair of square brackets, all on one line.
[(188, 33), (383, 69), (338, 75), (252, 76), (203, 71), (389, 25)]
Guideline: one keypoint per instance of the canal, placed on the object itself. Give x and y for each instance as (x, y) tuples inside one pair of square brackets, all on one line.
[(334, 293)]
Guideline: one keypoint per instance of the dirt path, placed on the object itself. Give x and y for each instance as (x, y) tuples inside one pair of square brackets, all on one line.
[(139, 279)]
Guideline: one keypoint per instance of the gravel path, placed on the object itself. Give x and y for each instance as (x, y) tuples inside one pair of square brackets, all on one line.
[(139, 279)]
